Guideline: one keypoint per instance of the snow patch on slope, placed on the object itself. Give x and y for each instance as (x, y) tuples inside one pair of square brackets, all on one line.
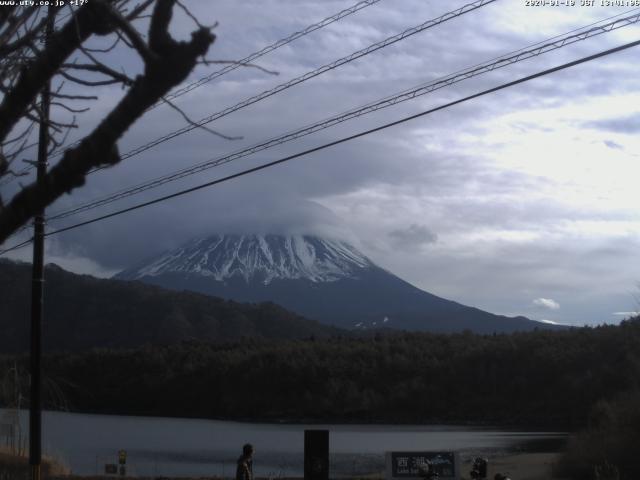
[(259, 257)]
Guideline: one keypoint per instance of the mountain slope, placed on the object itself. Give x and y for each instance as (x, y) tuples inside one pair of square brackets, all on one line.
[(322, 279), (257, 258), (84, 312)]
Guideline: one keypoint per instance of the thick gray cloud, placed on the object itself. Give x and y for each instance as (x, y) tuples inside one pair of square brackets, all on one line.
[(413, 236), (628, 124), (495, 202)]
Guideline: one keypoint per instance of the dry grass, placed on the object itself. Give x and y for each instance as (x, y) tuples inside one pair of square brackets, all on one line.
[(16, 467)]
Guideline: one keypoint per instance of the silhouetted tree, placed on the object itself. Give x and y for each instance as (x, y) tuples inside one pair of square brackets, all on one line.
[(28, 62)]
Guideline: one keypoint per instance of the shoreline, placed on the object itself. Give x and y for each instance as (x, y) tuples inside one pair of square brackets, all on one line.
[(520, 466), (523, 457), (480, 425)]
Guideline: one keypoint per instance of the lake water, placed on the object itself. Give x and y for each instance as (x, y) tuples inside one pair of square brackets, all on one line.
[(187, 447)]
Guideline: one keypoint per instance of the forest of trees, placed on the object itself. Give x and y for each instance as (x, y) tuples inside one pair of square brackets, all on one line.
[(608, 447), (539, 378), (123, 314), (586, 380)]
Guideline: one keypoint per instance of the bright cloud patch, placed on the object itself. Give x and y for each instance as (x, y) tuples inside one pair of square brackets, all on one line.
[(546, 303)]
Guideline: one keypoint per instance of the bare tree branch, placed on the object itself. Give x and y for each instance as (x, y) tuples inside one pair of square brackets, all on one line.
[(100, 68), (26, 132), (70, 109), (195, 124), (21, 173), (139, 9), (134, 37), (8, 48), (106, 49), (15, 23), (204, 61), (88, 19), (58, 143), (192, 17), (74, 97), (88, 83), (171, 63)]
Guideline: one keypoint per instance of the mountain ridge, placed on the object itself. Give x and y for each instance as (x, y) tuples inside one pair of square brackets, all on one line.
[(83, 312), (325, 280), (225, 256)]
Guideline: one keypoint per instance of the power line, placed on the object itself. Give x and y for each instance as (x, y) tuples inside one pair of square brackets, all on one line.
[(352, 137), (342, 140), (16, 247), (360, 53), (520, 55), (242, 62), (250, 58), (270, 48), (599, 28), (309, 75)]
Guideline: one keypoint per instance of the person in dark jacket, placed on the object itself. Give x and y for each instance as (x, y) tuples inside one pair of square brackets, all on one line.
[(245, 463)]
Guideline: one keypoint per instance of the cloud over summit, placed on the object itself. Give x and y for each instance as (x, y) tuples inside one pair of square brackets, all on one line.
[(493, 203)]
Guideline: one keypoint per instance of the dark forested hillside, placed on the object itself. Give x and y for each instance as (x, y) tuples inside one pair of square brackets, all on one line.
[(535, 378), (83, 312)]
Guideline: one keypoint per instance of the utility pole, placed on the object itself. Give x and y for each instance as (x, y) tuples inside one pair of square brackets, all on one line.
[(37, 284)]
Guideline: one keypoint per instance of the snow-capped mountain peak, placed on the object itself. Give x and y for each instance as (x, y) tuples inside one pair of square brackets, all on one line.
[(319, 278), (261, 258)]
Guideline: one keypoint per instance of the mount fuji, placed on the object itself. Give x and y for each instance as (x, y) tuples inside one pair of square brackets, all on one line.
[(320, 278)]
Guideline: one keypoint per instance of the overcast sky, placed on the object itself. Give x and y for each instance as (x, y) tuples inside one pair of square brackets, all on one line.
[(522, 202)]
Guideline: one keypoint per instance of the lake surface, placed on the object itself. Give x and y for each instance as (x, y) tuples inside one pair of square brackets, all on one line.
[(187, 447)]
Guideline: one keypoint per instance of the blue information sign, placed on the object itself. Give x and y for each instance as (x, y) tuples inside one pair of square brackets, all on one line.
[(414, 464)]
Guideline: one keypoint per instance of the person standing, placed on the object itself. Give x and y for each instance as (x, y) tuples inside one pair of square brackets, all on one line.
[(245, 463)]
